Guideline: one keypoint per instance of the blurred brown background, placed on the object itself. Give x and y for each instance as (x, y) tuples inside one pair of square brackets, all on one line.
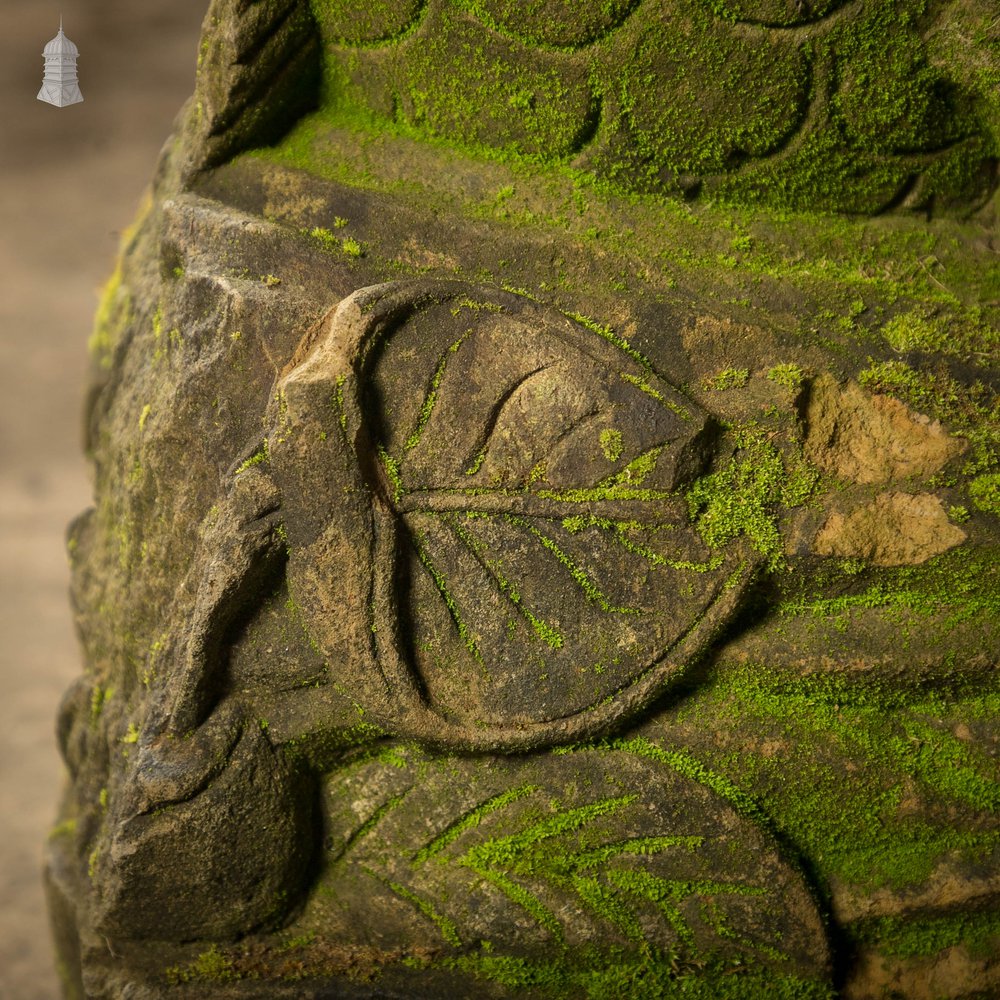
[(70, 181)]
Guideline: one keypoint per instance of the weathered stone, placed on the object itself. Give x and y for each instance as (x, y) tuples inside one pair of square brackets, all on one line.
[(872, 439), (505, 581), (896, 529)]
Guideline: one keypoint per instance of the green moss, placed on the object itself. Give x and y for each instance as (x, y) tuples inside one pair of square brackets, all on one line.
[(579, 575), (465, 633), (985, 493), (892, 745), (942, 331), (529, 853), (352, 248), (832, 266), (210, 966), (430, 397), (962, 583), (684, 763), (447, 927), (260, 457), (925, 937), (622, 532), (552, 637), (645, 387), (637, 471), (595, 974), (391, 469), (611, 444), (324, 238), (470, 819), (727, 378), (332, 243), (973, 411), (65, 828), (958, 514), (607, 333), (746, 496), (113, 314), (790, 376), (854, 109), (912, 331)]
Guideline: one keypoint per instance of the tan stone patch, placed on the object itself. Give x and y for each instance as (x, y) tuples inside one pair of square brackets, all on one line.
[(953, 886), (288, 199), (872, 439), (952, 973), (417, 255), (721, 341), (897, 529)]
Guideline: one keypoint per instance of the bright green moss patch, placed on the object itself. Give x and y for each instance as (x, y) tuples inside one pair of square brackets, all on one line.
[(979, 932), (870, 785), (745, 496), (565, 24), (790, 376), (614, 974), (366, 22), (941, 332), (260, 457), (985, 493), (210, 966), (727, 378), (851, 117), (469, 820), (611, 444), (346, 245), (65, 828), (112, 315), (961, 584)]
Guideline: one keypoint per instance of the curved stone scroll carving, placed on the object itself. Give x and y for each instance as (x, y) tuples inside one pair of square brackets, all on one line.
[(484, 530), (848, 110), (258, 72)]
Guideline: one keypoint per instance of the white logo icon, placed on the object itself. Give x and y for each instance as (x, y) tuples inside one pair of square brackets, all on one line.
[(60, 87)]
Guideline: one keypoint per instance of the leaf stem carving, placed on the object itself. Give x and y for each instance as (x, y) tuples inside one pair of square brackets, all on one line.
[(579, 575), (549, 635), (463, 630), (615, 501), (470, 819), (427, 407)]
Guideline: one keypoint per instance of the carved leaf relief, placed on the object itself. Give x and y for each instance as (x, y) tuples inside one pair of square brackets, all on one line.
[(532, 560)]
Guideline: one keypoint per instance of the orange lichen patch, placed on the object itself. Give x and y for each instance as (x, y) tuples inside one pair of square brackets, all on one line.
[(897, 529), (872, 439)]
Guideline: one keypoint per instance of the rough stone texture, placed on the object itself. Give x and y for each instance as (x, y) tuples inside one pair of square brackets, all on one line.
[(454, 616), (872, 439), (896, 529)]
